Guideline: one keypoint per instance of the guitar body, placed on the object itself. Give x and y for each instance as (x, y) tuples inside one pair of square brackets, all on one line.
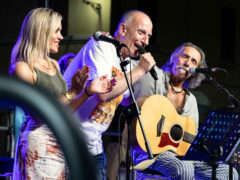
[(165, 129)]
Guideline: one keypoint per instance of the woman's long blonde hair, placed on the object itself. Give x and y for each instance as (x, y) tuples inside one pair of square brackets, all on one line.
[(36, 32)]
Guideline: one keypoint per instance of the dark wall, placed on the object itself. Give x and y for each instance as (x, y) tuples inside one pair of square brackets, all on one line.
[(12, 14)]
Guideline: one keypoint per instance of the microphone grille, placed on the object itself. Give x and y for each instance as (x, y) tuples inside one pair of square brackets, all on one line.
[(192, 70), (96, 35), (140, 49)]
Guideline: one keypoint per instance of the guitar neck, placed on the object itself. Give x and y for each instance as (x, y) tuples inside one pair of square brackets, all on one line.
[(187, 137)]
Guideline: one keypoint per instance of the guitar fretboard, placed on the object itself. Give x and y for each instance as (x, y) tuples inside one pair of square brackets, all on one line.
[(187, 137)]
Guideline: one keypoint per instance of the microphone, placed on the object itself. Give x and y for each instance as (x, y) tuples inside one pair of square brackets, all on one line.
[(194, 70), (98, 36), (152, 71)]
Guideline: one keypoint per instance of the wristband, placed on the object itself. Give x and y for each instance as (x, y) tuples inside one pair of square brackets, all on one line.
[(85, 90)]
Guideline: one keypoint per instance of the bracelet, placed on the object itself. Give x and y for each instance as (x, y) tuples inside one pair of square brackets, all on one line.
[(85, 90), (68, 96)]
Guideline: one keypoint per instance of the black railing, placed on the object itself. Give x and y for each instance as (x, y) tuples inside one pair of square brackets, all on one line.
[(56, 116)]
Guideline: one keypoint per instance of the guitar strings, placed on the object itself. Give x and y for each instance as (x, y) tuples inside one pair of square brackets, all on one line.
[(179, 132)]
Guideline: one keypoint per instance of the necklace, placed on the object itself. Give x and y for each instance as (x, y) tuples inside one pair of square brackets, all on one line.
[(176, 91), (46, 66)]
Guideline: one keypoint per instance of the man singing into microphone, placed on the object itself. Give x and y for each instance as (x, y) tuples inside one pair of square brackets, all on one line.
[(135, 27), (173, 82)]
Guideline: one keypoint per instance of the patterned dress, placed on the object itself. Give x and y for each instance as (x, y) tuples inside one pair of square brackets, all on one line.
[(38, 154)]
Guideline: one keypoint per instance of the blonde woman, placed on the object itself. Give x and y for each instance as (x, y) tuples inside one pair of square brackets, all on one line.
[(38, 155)]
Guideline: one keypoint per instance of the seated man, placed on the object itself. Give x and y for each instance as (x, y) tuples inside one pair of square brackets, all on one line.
[(173, 82)]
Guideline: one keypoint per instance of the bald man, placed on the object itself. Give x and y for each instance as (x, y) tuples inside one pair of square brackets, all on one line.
[(134, 29)]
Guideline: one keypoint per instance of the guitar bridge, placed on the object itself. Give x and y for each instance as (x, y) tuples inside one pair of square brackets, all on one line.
[(160, 125)]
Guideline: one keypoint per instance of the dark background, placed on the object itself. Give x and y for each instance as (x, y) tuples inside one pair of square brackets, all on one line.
[(214, 25)]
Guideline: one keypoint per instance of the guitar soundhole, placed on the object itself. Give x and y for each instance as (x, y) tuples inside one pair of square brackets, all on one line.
[(176, 132)]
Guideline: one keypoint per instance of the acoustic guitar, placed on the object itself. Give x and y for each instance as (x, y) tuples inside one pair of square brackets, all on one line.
[(165, 129)]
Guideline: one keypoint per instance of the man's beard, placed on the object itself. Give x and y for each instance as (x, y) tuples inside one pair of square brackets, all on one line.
[(183, 70)]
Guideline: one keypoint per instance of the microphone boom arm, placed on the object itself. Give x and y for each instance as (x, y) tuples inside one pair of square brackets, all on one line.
[(235, 103)]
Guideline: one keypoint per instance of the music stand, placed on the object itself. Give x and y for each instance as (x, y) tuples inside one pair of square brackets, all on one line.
[(217, 139)]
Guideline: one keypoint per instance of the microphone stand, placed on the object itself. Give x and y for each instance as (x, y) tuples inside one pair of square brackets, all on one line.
[(234, 104), (136, 111)]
